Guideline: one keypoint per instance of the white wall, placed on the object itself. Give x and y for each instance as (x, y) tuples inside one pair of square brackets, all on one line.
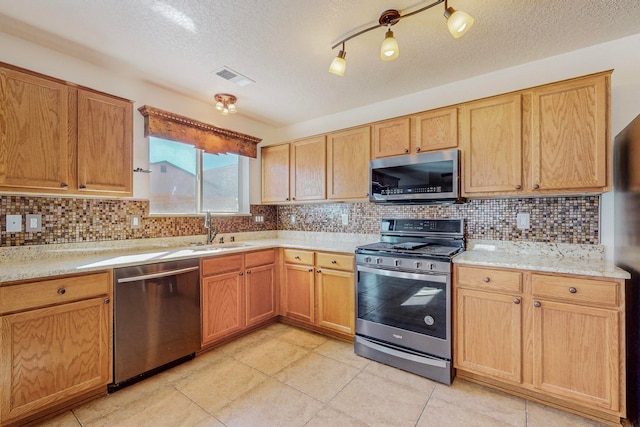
[(33, 57), (622, 55)]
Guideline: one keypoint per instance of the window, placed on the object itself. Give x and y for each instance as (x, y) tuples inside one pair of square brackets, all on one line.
[(186, 180)]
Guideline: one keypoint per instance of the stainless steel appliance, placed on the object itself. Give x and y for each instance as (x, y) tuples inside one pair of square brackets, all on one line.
[(626, 174), (403, 295), (156, 318), (424, 178)]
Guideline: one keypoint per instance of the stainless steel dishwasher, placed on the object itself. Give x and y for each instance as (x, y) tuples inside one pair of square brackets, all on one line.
[(156, 318)]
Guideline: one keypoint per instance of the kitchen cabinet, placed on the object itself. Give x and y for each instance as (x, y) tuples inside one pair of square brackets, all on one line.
[(348, 155), (275, 173), (319, 290), (238, 292), (308, 175), (555, 338), (434, 130), (55, 343), (391, 137), (61, 139)]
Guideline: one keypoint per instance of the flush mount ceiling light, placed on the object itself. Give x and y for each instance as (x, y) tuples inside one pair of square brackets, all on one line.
[(225, 103), (458, 23)]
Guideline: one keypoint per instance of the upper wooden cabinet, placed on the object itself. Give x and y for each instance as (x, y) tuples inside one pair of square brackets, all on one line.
[(57, 138), (391, 138), (348, 155), (275, 173), (308, 174), (434, 130)]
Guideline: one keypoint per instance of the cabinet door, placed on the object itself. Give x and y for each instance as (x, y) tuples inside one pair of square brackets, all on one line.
[(260, 294), (391, 137), (348, 155), (275, 173), (336, 300), (309, 169), (299, 295), (489, 334), (34, 133), (223, 306), (434, 130), (492, 145), (105, 144), (53, 354), (576, 353), (570, 135)]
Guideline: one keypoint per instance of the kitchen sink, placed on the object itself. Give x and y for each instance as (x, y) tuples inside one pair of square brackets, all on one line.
[(217, 246)]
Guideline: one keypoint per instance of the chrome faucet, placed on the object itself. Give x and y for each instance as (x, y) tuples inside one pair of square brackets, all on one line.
[(212, 229)]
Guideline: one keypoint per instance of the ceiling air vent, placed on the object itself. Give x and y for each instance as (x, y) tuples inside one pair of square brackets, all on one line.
[(233, 76)]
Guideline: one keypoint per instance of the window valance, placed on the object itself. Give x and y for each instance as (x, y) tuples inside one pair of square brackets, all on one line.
[(209, 138)]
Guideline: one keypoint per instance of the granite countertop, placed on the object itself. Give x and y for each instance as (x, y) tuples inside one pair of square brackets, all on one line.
[(30, 262), (587, 260)]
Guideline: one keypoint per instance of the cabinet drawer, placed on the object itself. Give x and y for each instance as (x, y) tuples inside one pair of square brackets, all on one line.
[(253, 259), (294, 256), (573, 289), (54, 291), (223, 264), (489, 279), (335, 261)]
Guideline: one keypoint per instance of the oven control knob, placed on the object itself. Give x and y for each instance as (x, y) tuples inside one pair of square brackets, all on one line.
[(378, 260), (429, 320), (396, 262), (367, 259)]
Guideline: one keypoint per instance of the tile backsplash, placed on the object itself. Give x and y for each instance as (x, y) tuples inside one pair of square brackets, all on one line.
[(69, 220)]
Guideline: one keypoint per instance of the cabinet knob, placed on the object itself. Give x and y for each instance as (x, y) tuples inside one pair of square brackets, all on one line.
[(106, 301), (406, 150), (536, 304), (334, 262), (318, 271), (486, 280), (417, 149), (82, 186), (240, 274), (536, 186), (293, 198), (516, 300), (296, 257), (63, 185), (573, 290), (310, 270), (287, 198), (518, 187), (248, 271), (62, 291)]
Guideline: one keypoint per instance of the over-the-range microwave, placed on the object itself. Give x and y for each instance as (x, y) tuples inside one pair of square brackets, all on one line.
[(426, 178)]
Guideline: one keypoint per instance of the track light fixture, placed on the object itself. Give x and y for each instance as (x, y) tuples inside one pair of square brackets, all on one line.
[(458, 23), (226, 103)]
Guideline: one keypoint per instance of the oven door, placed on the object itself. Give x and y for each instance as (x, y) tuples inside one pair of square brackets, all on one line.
[(405, 309)]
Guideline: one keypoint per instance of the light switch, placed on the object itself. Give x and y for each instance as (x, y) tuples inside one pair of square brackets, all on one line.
[(522, 221), (14, 224), (33, 223), (345, 219), (135, 221)]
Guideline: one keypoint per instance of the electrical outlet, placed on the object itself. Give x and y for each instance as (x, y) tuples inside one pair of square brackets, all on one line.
[(259, 219), (135, 221), (345, 219), (14, 223), (293, 219), (33, 223), (523, 220)]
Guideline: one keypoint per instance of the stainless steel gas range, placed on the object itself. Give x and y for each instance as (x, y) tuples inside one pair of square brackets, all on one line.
[(403, 295)]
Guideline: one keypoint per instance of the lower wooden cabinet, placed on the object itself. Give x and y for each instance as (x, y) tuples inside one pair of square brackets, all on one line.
[(319, 290), (237, 291), (57, 347), (556, 338)]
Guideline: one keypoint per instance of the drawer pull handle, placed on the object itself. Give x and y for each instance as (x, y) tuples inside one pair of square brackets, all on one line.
[(536, 304), (61, 291), (296, 257), (334, 262), (516, 300), (486, 280), (573, 290), (106, 300)]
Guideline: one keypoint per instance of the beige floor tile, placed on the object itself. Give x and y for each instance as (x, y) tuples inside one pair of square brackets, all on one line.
[(271, 356), (239, 344), (545, 416), (166, 407), (379, 402), (218, 385), (318, 376), (482, 401), (302, 338), (342, 352), (66, 419), (270, 404), (440, 413), (276, 329), (332, 417), (425, 385), (189, 368)]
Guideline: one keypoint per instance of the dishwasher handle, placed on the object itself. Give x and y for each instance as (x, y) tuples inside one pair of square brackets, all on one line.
[(157, 275)]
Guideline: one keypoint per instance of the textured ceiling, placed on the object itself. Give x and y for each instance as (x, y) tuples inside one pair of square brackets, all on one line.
[(285, 45)]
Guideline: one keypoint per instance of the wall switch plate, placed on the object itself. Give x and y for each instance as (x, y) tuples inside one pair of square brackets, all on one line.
[(293, 219), (14, 224), (523, 220), (135, 221), (345, 219), (33, 223)]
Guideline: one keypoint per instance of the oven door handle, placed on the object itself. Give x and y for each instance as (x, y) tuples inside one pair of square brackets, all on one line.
[(425, 360), (440, 278)]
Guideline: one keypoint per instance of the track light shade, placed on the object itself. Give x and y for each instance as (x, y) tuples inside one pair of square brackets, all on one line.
[(458, 22), (389, 49), (339, 64)]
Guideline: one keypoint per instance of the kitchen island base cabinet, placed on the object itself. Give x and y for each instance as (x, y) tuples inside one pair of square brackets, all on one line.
[(554, 338), (55, 353)]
